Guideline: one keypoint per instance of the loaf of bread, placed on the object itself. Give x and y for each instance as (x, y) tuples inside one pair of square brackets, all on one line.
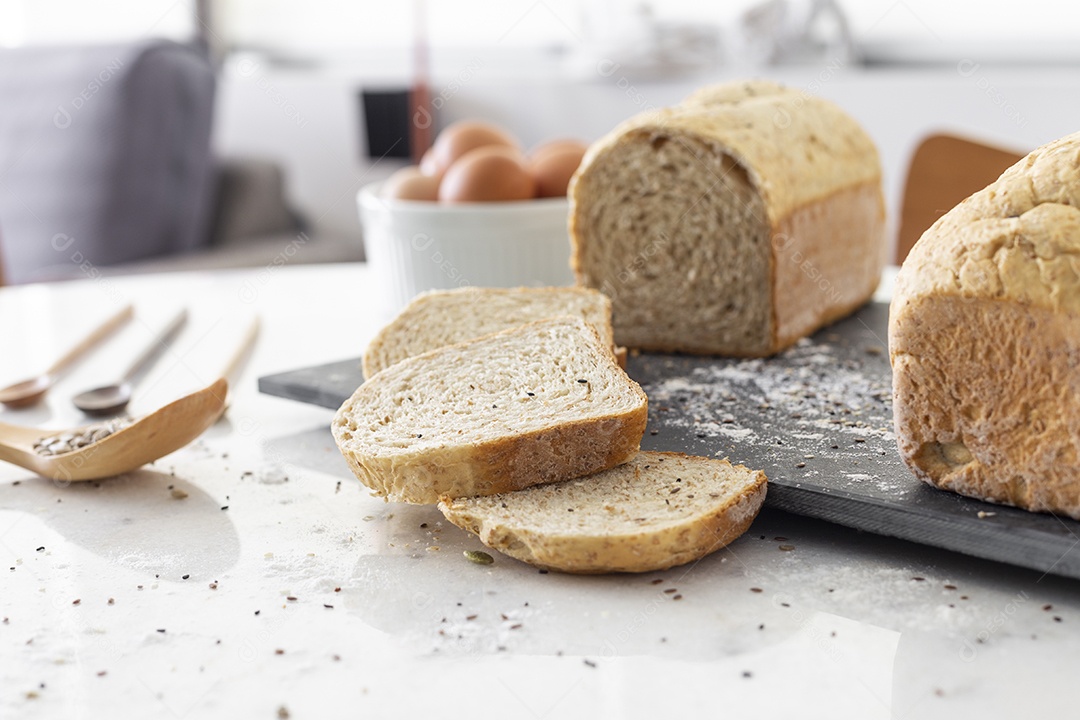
[(735, 223), (656, 511), (540, 403), (447, 317), (984, 337)]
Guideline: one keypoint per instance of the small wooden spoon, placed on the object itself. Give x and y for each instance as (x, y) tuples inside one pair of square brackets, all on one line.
[(145, 440), (114, 397), (27, 392)]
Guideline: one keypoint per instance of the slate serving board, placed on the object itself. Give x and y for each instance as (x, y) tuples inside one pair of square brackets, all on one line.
[(818, 420)]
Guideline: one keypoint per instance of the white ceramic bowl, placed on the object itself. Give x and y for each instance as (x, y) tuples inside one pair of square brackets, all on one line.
[(414, 246)]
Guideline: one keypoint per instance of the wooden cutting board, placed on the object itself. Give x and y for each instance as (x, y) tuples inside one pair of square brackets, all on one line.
[(818, 420)]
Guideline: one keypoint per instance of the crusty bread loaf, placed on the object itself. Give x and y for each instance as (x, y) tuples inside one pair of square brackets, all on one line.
[(447, 317), (984, 337), (656, 511), (735, 223), (539, 403)]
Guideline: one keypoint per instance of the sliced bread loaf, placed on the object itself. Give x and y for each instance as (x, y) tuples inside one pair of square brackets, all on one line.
[(735, 223), (446, 317), (656, 511), (984, 336), (535, 404)]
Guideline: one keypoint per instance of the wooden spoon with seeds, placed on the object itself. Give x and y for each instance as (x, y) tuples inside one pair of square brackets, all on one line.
[(146, 439)]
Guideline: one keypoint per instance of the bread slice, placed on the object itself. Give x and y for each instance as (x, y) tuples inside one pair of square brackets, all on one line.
[(656, 511), (446, 317), (535, 404), (735, 223), (984, 337)]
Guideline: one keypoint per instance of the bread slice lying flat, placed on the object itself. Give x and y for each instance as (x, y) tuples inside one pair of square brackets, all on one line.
[(984, 336), (536, 404), (447, 317), (656, 511)]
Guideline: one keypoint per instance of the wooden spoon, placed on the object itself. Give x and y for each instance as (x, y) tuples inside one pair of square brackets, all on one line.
[(145, 440), (27, 392), (114, 397)]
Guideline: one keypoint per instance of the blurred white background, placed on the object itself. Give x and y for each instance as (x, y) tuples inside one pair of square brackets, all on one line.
[(913, 29), (292, 70)]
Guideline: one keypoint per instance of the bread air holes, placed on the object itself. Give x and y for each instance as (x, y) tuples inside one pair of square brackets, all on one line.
[(659, 141), (943, 457)]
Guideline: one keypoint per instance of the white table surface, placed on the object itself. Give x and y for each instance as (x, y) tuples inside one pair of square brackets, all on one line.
[(120, 601)]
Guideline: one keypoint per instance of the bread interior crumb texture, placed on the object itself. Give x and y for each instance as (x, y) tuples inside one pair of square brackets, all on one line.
[(671, 207)]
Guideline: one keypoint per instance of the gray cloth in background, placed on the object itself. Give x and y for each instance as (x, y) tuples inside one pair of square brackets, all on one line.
[(104, 156)]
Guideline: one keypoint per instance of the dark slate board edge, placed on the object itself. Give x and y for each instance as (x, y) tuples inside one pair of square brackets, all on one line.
[(925, 499), (283, 385), (1029, 549)]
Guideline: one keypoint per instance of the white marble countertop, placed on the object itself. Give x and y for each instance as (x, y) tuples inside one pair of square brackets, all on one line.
[(278, 588)]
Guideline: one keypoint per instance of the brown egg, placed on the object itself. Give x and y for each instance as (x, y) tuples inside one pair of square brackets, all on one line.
[(428, 165), (556, 146), (553, 165), (409, 183), (488, 174), (461, 137)]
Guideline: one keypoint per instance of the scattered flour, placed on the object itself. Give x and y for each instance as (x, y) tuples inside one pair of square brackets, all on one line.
[(817, 400)]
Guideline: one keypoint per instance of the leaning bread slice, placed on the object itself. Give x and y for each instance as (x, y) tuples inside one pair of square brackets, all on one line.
[(536, 404), (657, 511), (447, 317)]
